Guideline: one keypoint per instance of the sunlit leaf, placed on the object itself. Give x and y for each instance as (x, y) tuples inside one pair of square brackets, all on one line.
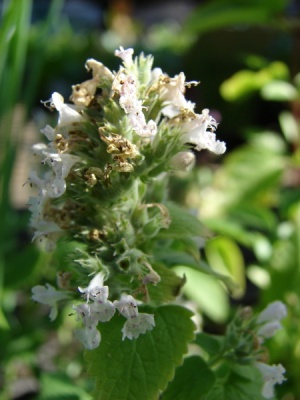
[(225, 257), (206, 292), (131, 369), (279, 91)]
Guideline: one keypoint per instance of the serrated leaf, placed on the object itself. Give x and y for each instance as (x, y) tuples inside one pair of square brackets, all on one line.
[(141, 368), (192, 381), (183, 223)]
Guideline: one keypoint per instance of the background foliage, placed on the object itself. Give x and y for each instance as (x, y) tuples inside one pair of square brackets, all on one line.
[(246, 55)]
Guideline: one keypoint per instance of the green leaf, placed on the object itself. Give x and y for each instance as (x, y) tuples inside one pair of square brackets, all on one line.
[(210, 343), (222, 13), (206, 291), (279, 91), (243, 383), (183, 223), (226, 258), (141, 368), (192, 381), (169, 286), (289, 126), (173, 258), (58, 386)]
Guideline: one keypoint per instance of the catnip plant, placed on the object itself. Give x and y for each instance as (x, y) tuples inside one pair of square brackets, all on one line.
[(102, 185)]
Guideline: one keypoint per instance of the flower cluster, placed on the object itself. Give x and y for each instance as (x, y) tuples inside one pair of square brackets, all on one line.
[(121, 133), (268, 323), (247, 335)]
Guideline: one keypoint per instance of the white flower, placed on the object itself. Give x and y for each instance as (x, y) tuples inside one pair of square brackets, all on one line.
[(50, 186), (268, 330), (67, 114), (136, 323), (53, 185), (269, 319), (89, 336), (125, 85), (84, 93), (49, 132), (62, 164), (272, 374), (95, 284), (172, 92), (199, 131), (274, 311), (50, 296), (133, 327), (127, 306), (84, 314), (102, 310), (125, 55), (99, 70)]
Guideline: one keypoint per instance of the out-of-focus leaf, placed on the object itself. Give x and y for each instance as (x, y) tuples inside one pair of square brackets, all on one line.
[(19, 266), (3, 321), (245, 82), (222, 13), (206, 292), (173, 258), (289, 127), (251, 172), (231, 228), (192, 381), (279, 91), (254, 216), (183, 223), (225, 257), (210, 343), (57, 386)]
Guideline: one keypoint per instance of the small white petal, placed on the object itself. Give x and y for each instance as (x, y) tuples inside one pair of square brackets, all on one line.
[(135, 326), (89, 337), (95, 283), (269, 329), (49, 132), (127, 306), (274, 311), (272, 375), (67, 115), (84, 314), (98, 69), (103, 312), (126, 55)]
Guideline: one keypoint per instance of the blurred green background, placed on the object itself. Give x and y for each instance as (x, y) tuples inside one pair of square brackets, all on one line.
[(246, 53)]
